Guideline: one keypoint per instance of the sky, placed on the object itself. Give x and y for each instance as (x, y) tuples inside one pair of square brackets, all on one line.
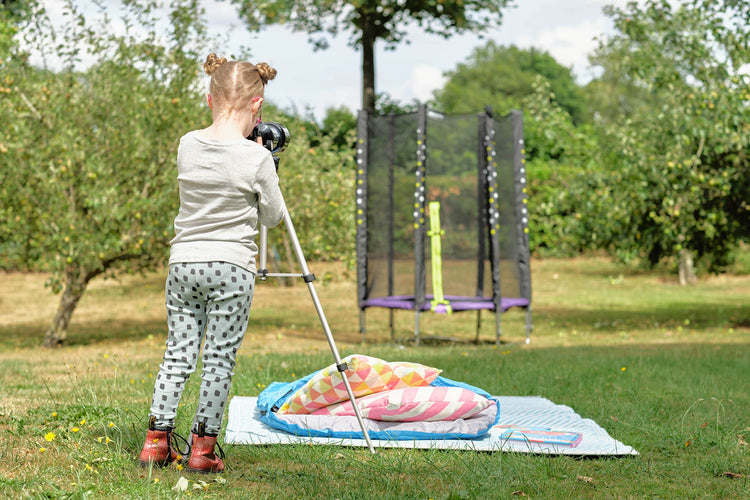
[(567, 29), (311, 81)]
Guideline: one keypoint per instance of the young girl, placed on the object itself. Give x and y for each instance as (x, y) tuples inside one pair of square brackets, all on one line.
[(228, 185)]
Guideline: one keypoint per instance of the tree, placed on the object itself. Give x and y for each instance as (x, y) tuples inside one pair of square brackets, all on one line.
[(340, 124), (677, 182), (88, 174), (88, 177), (559, 151), (503, 76), (368, 21)]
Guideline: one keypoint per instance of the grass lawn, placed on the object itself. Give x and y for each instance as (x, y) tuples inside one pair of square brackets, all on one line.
[(663, 368)]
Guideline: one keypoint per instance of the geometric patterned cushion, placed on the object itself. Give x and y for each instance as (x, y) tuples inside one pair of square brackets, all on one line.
[(366, 375), (408, 374)]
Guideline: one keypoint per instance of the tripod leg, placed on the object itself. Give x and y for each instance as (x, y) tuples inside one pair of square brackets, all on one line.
[(362, 324), (309, 278), (263, 253)]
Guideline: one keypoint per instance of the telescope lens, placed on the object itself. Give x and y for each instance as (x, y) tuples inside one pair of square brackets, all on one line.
[(275, 136)]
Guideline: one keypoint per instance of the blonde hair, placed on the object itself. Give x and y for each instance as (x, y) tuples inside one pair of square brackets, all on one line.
[(234, 84)]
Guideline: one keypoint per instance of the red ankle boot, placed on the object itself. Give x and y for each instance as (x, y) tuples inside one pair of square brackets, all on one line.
[(159, 448), (202, 457)]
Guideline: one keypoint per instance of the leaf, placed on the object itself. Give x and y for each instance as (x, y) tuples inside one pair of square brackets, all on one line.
[(734, 475)]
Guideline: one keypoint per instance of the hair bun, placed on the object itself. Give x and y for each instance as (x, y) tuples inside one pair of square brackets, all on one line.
[(266, 72), (213, 62)]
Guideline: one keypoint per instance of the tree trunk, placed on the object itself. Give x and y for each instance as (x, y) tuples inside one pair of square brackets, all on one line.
[(75, 285), (368, 68), (687, 268)]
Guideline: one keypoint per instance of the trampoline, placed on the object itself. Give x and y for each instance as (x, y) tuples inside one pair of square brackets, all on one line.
[(442, 221)]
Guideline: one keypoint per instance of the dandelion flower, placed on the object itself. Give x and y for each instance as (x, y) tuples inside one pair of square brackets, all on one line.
[(75, 429), (623, 368), (50, 436), (107, 440), (156, 480), (54, 414), (42, 450), (111, 424), (83, 421)]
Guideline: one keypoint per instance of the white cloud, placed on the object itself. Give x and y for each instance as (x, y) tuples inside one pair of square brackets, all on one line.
[(334, 97), (571, 45), (423, 80)]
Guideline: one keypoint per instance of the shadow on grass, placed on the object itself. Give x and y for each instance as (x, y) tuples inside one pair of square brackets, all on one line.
[(675, 315), (547, 319), (107, 331)]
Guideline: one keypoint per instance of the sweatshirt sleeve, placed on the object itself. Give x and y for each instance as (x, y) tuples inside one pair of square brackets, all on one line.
[(271, 205)]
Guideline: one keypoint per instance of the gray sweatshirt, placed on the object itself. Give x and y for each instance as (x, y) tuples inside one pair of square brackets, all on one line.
[(226, 188)]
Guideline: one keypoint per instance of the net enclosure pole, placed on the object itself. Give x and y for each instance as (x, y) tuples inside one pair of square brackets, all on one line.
[(361, 216), (493, 218), (391, 151), (419, 218), (522, 214), (482, 220)]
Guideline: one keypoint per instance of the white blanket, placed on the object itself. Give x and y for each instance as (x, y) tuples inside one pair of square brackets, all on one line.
[(244, 427)]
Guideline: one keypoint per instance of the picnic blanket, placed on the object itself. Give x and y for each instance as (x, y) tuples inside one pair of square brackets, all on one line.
[(245, 427)]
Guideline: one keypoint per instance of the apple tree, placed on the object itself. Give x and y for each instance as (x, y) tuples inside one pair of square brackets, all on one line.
[(88, 156), (676, 182)]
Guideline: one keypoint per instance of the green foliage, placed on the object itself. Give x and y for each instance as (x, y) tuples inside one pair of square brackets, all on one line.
[(89, 187), (91, 155), (560, 165), (340, 124), (318, 186), (558, 148), (502, 77), (386, 105), (676, 153)]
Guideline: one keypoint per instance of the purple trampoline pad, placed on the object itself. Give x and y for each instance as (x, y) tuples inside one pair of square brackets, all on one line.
[(457, 303)]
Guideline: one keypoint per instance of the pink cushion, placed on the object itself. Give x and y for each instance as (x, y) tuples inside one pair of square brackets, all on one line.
[(414, 404)]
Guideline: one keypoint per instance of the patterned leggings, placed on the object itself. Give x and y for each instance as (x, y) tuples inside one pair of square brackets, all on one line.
[(212, 298)]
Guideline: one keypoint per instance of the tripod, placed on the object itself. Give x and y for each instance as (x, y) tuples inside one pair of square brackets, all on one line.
[(308, 277)]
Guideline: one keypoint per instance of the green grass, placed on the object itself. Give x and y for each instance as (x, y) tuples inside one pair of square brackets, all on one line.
[(663, 368)]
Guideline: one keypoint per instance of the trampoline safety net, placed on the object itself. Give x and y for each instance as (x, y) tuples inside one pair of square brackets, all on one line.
[(473, 167)]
